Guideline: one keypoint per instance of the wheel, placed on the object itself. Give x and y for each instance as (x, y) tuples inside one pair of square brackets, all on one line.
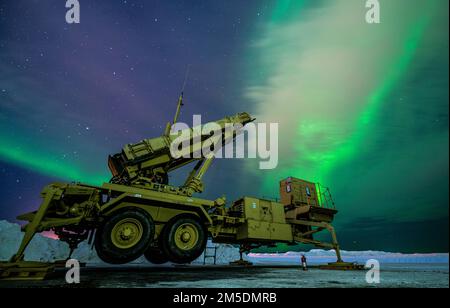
[(125, 236), (183, 240), (156, 256)]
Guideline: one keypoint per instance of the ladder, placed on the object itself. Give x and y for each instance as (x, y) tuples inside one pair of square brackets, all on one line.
[(210, 252)]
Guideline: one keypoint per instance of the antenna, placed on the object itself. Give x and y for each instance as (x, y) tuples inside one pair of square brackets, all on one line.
[(186, 78), (180, 102), (180, 99)]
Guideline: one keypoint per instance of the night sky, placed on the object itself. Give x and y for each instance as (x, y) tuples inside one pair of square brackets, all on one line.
[(362, 108)]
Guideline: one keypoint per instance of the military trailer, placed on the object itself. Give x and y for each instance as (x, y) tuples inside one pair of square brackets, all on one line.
[(140, 213)]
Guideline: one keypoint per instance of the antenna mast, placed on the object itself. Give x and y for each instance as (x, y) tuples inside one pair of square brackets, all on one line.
[(180, 102), (180, 99)]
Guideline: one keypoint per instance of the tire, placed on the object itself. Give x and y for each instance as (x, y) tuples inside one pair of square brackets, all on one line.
[(125, 236), (156, 256), (183, 240)]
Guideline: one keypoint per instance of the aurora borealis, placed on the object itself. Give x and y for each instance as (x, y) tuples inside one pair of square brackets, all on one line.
[(346, 101), (362, 108)]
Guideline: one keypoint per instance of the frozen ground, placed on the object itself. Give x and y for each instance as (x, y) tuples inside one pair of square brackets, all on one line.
[(392, 276), (270, 270)]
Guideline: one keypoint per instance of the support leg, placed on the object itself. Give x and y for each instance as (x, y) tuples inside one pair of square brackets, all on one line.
[(241, 261), (32, 227), (320, 225), (335, 243)]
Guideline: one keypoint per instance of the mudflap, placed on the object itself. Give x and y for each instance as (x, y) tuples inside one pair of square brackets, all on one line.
[(342, 266), (25, 270)]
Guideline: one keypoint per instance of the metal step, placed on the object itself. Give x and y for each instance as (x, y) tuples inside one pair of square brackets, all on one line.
[(25, 270), (342, 266)]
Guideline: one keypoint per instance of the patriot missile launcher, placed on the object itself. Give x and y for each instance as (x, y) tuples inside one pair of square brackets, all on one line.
[(140, 213)]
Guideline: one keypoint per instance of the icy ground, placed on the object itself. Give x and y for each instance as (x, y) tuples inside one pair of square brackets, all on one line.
[(270, 270), (135, 276)]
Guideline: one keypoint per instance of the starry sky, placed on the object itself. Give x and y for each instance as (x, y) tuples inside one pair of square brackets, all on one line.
[(361, 108)]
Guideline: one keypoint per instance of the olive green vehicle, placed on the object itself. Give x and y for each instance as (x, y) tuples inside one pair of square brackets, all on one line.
[(140, 213)]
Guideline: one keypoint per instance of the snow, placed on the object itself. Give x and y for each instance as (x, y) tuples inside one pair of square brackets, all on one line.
[(40, 249), (43, 248), (320, 256)]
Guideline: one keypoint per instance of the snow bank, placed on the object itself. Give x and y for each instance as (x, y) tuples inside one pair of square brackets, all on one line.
[(224, 255), (40, 249), (43, 248), (320, 256)]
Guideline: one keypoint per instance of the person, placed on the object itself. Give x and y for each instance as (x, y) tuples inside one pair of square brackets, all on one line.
[(304, 265)]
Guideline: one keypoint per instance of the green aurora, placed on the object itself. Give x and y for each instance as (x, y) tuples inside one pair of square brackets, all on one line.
[(362, 109), (334, 132)]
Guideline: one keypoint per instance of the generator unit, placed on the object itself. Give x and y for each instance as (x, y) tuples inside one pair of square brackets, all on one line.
[(264, 221)]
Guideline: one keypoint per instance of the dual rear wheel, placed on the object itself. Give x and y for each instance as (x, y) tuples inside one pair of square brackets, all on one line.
[(129, 233), (183, 240)]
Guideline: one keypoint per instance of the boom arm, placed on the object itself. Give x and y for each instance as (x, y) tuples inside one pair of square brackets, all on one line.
[(151, 159)]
